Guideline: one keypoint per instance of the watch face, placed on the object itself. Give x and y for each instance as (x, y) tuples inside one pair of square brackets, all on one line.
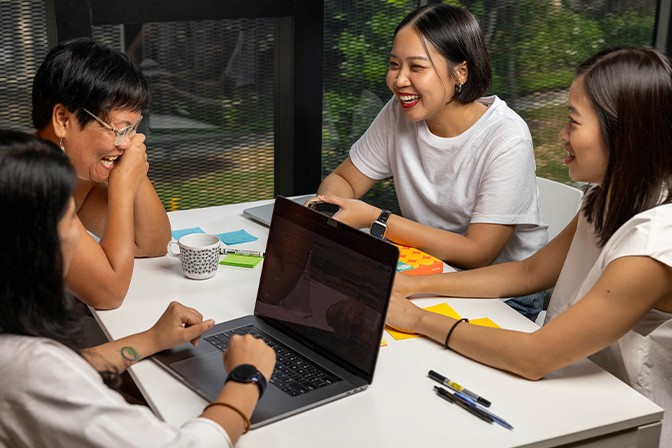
[(378, 229), (244, 372)]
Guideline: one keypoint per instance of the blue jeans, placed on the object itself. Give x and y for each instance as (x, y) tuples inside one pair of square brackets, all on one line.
[(529, 306)]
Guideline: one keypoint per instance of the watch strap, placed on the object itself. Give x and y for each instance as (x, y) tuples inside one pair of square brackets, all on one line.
[(383, 217)]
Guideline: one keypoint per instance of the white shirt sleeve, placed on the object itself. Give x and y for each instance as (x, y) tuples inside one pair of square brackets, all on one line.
[(370, 153), (59, 400), (506, 186)]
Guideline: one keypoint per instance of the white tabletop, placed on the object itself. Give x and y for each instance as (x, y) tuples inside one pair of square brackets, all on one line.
[(400, 408)]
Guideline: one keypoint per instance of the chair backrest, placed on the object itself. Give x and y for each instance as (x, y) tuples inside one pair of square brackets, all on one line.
[(558, 204)]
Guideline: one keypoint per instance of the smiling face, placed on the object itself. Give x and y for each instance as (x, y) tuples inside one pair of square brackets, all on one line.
[(582, 138), (419, 77), (91, 150)]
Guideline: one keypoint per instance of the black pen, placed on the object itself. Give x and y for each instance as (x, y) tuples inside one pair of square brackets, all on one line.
[(461, 402), (499, 420), (457, 388)]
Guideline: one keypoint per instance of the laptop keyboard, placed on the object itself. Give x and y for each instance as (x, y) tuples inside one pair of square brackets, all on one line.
[(293, 374)]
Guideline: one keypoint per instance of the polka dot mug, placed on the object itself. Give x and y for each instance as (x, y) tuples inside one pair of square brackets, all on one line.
[(199, 254)]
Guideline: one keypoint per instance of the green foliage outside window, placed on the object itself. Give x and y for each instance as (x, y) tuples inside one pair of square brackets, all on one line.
[(534, 45)]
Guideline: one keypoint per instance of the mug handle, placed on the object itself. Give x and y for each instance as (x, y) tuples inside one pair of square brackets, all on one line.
[(170, 249)]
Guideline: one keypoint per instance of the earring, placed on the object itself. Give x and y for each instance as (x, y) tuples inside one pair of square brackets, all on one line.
[(60, 145), (458, 88)]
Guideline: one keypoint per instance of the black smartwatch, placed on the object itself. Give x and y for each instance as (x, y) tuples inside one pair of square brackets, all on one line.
[(247, 373), (379, 226)]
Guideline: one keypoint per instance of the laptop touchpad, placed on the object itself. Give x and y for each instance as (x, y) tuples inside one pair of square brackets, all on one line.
[(206, 373)]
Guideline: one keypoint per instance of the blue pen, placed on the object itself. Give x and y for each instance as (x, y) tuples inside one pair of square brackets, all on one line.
[(473, 402)]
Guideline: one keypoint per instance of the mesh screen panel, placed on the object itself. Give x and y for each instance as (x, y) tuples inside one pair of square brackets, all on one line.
[(23, 46), (210, 124), (534, 47)]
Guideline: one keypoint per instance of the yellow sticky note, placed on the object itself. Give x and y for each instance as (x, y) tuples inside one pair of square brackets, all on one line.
[(446, 310), (441, 308), (484, 322)]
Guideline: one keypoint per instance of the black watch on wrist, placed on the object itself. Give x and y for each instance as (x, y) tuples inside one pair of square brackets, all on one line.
[(379, 226), (247, 373)]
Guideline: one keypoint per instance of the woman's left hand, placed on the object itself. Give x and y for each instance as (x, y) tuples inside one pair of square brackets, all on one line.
[(176, 325), (353, 212)]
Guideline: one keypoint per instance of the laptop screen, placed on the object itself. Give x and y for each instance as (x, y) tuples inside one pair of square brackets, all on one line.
[(326, 284)]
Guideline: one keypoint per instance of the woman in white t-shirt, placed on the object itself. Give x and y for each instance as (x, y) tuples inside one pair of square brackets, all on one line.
[(53, 392), (611, 265), (463, 164)]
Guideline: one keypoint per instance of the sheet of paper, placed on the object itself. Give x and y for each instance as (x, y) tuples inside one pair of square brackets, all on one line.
[(236, 237), (446, 310), (177, 234)]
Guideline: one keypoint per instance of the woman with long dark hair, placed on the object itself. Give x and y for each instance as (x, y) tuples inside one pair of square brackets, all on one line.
[(53, 391), (611, 266)]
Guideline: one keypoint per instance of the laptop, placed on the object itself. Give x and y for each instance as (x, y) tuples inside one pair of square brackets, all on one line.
[(321, 304), (264, 213)]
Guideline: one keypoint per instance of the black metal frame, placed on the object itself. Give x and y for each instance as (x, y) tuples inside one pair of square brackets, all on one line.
[(662, 34), (299, 27)]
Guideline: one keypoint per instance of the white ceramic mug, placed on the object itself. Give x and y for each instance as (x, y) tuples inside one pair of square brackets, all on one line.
[(199, 254)]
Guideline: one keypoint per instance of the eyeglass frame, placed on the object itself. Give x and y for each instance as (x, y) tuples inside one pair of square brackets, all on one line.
[(120, 134)]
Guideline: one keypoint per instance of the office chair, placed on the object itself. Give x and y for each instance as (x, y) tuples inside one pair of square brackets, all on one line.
[(558, 204)]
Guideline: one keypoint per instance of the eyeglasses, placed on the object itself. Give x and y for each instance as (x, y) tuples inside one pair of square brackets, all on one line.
[(119, 134)]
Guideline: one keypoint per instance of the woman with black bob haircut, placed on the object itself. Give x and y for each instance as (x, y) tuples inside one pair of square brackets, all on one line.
[(52, 389), (88, 99), (611, 267), (463, 164)]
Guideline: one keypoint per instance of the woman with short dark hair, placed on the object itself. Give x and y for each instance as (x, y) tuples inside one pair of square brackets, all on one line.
[(53, 391), (88, 99), (463, 164)]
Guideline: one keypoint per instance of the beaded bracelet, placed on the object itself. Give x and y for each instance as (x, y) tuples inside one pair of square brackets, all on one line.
[(233, 408), (464, 319)]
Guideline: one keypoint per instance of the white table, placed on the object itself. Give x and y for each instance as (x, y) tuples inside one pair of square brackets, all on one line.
[(578, 403)]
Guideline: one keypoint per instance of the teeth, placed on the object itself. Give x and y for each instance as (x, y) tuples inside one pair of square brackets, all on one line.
[(111, 158), (408, 98)]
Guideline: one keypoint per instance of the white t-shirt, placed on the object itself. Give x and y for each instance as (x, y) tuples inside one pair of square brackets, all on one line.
[(484, 175), (643, 356), (50, 396)]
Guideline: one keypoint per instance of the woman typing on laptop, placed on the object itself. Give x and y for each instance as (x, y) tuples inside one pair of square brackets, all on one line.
[(53, 391)]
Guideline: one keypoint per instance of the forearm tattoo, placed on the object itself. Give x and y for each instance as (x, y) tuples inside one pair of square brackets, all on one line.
[(129, 356)]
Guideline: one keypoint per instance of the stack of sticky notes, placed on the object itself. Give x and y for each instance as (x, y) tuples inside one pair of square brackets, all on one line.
[(242, 261), (413, 261)]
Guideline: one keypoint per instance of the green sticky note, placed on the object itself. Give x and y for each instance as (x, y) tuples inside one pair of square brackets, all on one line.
[(243, 261)]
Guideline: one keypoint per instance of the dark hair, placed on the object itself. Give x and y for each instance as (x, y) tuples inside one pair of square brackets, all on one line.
[(36, 184), (84, 73), (456, 35), (631, 92)]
